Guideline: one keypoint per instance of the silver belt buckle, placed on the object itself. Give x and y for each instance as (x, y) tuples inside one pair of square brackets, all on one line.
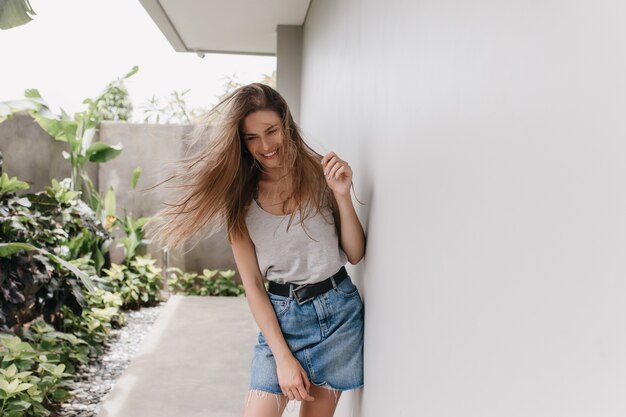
[(295, 293)]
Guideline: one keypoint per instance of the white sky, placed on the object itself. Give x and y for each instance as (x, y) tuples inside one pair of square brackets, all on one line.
[(73, 48)]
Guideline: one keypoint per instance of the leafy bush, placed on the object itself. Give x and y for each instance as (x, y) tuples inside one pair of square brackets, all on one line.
[(38, 364), (95, 323), (43, 229), (58, 347), (138, 284), (115, 102), (29, 380), (79, 130), (134, 241), (210, 282)]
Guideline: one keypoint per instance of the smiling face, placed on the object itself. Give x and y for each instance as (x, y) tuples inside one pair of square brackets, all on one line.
[(263, 137)]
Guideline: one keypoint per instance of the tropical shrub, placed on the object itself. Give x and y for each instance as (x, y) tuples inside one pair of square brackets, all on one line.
[(37, 365), (78, 131), (30, 380), (138, 284), (42, 231), (210, 282), (115, 102), (95, 323)]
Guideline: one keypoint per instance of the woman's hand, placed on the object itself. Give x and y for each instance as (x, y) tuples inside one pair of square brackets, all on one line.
[(293, 380), (338, 174)]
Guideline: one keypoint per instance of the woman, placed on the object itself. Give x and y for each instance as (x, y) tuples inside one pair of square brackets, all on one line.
[(290, 220)]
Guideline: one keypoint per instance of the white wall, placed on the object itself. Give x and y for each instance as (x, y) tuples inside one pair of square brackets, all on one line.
[(488, 141)]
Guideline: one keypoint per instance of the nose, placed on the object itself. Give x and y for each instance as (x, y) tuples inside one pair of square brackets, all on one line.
[(265, 141)]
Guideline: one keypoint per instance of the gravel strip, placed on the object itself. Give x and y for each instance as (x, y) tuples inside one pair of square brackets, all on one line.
[(95, 379)]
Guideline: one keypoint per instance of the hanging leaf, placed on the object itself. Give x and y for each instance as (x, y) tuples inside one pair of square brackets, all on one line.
[(132, 72), (9, 185), (15, 13), (61, 130), (101, 152), (8, 249), (135, 179)]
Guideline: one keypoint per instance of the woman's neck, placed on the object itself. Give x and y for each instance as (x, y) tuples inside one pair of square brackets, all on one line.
[(274, 175)]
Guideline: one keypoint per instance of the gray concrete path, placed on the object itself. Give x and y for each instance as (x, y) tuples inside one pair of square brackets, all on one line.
[(195, 361)]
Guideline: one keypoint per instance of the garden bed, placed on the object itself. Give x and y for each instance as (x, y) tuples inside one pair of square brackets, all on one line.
[(96, 379)]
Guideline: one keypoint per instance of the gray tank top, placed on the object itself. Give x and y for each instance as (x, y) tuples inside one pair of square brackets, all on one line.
[(292, 256)]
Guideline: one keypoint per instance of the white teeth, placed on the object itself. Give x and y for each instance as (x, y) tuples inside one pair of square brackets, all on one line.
[(269, 154)]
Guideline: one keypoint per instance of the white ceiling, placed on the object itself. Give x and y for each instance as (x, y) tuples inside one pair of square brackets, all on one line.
[(233, 26)]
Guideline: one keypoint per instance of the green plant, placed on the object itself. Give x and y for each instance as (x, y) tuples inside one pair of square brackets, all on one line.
[(78, 131), (57, 347), (174, 110), (10, 185), (85, 232), (18, 390), (115, 103), (15, 13), (183, 282), (28, 379), (96, 321), (210, 282), (41, 232), (133, 241), (138, 284)]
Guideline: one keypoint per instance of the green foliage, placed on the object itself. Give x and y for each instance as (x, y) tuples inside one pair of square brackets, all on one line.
[(135, 177), (95, 323), (58, 347), (133, 241), (19, 393), (10, 185), (78, 131), (45, 359), (31, 376), (55, 219), (42, 232), (137, 283), (210, 282), (115, 103), (14, 13), (174, 110)]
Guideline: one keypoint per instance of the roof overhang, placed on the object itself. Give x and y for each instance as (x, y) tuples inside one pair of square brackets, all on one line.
[(233, 26)]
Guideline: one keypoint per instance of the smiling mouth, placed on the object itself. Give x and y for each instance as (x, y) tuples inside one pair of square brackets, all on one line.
[(270, 155)]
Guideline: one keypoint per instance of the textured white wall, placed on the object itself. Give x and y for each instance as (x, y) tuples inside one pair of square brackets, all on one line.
[(488, 141)]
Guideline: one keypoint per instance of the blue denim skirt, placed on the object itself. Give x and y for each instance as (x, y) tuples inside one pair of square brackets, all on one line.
[(324, 334)]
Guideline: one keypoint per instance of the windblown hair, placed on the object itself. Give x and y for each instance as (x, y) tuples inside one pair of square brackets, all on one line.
[(218, 181)]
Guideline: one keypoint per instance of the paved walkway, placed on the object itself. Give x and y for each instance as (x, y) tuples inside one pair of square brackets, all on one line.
[(194, 362)]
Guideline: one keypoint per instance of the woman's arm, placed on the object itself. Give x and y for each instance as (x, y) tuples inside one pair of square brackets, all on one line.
[(291, 376), (351, 233), (339, 178)]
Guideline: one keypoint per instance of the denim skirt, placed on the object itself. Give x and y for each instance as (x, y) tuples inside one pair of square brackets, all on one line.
[(324, 334)]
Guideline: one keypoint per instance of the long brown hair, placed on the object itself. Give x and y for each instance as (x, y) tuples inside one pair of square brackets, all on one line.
[(219, 180)]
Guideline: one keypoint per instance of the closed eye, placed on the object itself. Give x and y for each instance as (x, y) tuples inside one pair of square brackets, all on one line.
[(269, 132)]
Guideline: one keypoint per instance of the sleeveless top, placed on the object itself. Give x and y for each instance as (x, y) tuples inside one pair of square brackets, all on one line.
[(294, 256)]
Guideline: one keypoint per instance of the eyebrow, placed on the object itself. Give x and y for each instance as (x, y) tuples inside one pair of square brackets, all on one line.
[(254, 134)]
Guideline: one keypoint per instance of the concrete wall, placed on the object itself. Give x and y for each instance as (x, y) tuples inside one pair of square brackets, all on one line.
[(487, 140), (31, 154), (289, 65), (149, 146), (153, 148)]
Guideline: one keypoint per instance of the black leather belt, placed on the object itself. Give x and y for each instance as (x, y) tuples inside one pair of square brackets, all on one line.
[(306, 292)]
